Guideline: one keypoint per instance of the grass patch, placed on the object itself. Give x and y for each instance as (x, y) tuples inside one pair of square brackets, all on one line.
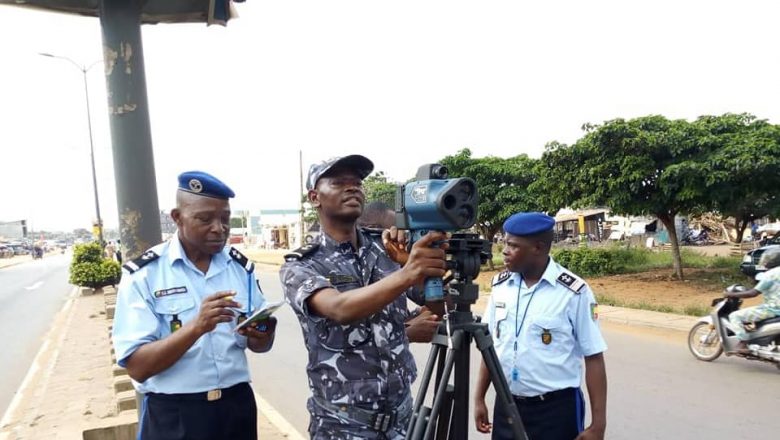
[(615, 260), (691, 310), (694, 310)]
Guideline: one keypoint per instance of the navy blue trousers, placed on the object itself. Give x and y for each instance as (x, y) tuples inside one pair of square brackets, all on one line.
[(559, 417), (192, 417)]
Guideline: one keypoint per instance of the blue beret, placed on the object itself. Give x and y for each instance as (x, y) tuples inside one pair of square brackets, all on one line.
[(204, 184), (528, 223)]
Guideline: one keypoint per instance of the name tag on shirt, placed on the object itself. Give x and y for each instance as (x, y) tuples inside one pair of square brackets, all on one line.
[(171, 291)]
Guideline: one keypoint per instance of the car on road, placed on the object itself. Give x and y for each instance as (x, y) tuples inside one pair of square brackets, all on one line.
[(6, 251), (19, 249), (749, 265)]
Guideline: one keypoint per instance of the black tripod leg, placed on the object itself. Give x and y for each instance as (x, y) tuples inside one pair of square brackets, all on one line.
[(460, 417), (503, 395), (436, 353), (441, 391)]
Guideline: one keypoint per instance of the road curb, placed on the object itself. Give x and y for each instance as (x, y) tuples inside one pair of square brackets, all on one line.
[(16, 263), (646, 318), (52, 340)]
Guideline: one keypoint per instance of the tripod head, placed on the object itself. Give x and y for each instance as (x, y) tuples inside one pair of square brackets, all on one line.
[(467, 253), (448, 416)]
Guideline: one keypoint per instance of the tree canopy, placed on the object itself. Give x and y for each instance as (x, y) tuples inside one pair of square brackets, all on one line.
[(502, 183)]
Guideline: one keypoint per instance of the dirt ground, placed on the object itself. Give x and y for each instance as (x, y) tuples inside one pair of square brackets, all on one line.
[(654, 288)]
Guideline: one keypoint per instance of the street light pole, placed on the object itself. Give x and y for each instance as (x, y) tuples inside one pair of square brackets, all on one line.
[(84, 71)]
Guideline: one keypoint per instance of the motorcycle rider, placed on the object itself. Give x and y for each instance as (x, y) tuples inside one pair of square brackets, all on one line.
[(769, 285)]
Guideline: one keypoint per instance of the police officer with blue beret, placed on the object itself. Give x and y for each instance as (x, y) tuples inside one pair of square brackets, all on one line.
[(544, 321), (351, 300), (176, 309)]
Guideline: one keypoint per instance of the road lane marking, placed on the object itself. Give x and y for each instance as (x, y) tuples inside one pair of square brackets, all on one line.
[(34, 286), (277, 419), (36, 364)]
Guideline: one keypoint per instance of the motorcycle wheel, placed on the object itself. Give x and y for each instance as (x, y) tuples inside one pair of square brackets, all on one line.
[(700, 348)]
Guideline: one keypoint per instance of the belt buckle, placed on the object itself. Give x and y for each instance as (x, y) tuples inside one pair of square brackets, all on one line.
[(213, 395), (382, 421)]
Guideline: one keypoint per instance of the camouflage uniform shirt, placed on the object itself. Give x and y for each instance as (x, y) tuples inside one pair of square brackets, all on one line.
[(366, 364)]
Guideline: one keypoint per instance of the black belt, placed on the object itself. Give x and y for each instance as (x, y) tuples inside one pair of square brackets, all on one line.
[(209, 396), (552, 395), (376, 420)]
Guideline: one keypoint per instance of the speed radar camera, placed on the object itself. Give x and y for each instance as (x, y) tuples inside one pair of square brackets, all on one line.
[(434, 202)]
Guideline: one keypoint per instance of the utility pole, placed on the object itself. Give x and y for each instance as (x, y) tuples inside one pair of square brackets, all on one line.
[(300, 181), (131, 138), (84, 69)]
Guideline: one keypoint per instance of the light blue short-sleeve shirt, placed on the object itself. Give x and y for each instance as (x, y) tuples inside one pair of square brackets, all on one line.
[(542, 333), (769, 285), (171, 287)]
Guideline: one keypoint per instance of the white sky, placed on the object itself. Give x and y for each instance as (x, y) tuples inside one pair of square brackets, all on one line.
[(403, 82)]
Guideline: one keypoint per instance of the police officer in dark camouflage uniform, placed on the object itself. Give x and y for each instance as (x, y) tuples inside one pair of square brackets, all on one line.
[(350, 299)]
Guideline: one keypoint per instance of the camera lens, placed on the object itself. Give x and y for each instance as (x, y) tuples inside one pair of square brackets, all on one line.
[(449, 202), (439, 172)]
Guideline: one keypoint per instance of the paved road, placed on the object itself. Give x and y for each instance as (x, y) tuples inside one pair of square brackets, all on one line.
[(657, 389), (31, 294)]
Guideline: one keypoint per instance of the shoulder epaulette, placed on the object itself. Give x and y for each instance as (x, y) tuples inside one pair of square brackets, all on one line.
[(572, 282), (302, 252), (136, 265), (501, 277), (242, 259)]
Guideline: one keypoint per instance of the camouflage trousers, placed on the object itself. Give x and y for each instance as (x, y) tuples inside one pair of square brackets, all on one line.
[(749, 315)]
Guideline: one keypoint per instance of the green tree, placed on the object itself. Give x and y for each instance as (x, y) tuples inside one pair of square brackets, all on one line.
[(502, 183), (379, 189), (743, 168), (237, 222), (648, 165), (309, 214)]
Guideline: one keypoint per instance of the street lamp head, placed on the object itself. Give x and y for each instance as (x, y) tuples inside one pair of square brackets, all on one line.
[(44, 54)]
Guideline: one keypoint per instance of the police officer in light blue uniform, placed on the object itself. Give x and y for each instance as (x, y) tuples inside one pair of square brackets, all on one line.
[(544, 321), (176, 309)]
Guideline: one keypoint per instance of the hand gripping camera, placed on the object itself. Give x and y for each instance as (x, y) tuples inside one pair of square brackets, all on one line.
[(433, 202)]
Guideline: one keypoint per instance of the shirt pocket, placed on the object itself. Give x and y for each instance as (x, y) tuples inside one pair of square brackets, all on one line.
[(341, 338), (501, 326), (169, 307), (549, 334)]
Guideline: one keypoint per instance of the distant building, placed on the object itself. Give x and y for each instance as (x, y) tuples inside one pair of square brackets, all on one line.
[(567, 224), (167, 225), (279, 228), (14, 230)]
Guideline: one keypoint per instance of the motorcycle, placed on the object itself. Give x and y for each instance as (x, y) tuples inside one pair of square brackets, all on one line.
[(712, 334), (697, 238)]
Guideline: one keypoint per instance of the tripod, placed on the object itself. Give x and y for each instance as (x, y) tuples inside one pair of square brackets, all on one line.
[(448, 417)]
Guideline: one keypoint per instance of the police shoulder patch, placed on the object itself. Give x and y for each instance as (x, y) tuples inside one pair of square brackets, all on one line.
[(501, 277), (136, 265), (241, 259), (571, 282), (302, 252)]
